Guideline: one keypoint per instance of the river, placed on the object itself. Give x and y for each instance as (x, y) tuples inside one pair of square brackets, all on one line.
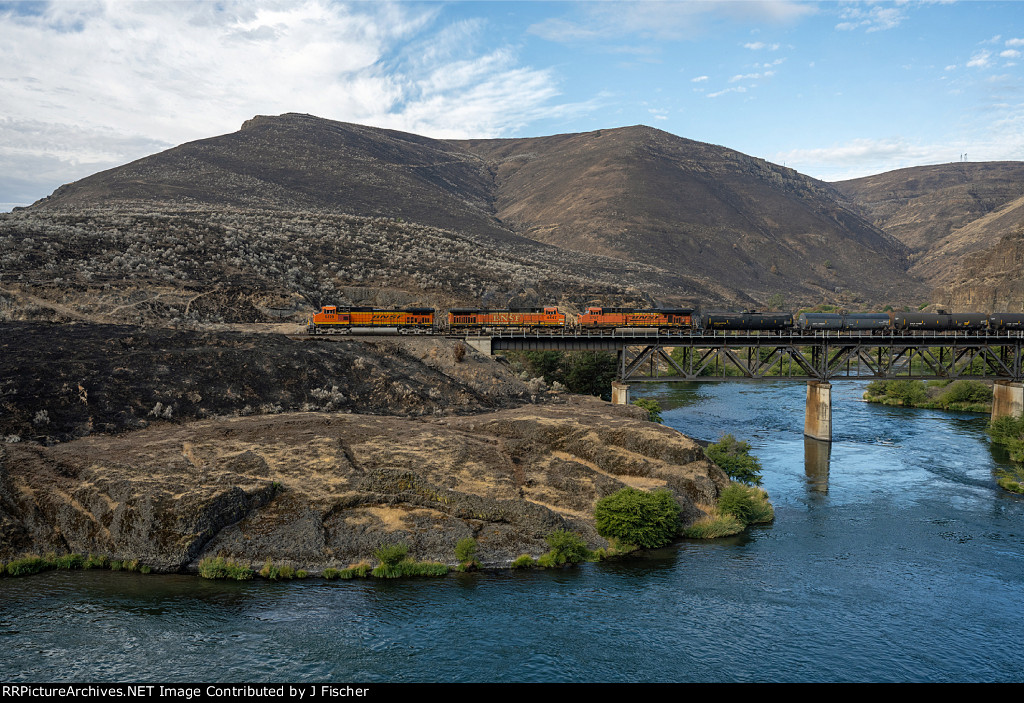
[(893, 557)]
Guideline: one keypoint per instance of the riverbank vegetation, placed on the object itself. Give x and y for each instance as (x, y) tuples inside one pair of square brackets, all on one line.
[(962, 395), (739, 506), (743, 502), (652, 408), (734, 458), (1008, 432), (633, 517), (34, 564)]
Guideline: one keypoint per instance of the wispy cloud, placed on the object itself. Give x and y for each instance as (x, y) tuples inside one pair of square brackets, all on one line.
[(661, 20), (873, 19), (100, 83), (865, 157)]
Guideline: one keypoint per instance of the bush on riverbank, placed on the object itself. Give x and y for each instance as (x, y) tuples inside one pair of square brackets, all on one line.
[(652, 408), (962, 395), (633, 517), (34, 564), (735, 459), (739, 506), (221, 568), (465, 554), (1008, 431), (566, 548), (395, 563)]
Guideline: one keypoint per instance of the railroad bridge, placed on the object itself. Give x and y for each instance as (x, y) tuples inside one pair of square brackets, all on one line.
[(819, 358)]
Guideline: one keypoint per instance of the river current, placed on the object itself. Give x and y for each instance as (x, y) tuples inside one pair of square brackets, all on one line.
[(893, 557)]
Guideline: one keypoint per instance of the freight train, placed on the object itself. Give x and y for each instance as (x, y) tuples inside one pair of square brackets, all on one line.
[(365, 320)]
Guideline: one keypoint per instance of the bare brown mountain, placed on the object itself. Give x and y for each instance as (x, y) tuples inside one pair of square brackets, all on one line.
[(645, 195), (687, 222), (963, 223)]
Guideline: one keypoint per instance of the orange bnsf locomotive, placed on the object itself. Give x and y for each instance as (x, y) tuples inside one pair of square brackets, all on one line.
[(657, 318), (514, 318), (334, 320)]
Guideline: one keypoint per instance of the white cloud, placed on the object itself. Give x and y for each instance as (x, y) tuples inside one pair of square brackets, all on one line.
[(875, 19), (1010, 54), (758, 45), (980, 59), (698, 79), (1015, 42), (1002, 139), (751, 76), (734, 89), (92, 85)]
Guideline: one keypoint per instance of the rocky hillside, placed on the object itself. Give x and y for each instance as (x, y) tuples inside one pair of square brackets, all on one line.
[(184, 266), (320, 490), (693, 223), (962, 223), (59, 382)]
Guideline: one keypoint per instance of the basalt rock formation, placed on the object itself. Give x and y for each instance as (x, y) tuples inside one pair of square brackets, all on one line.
[(319, 490)]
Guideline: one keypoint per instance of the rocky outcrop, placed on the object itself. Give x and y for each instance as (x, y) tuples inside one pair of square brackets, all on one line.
[(325, 489)]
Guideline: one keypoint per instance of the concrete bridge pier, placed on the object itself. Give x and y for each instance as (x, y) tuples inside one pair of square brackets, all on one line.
[(1007, 399), (481, 344), (818, 412), (620, 393)]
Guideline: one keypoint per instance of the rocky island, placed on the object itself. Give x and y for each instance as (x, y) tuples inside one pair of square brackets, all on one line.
[(324, 477)]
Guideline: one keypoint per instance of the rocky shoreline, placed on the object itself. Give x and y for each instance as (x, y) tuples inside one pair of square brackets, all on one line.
[(319, 490)]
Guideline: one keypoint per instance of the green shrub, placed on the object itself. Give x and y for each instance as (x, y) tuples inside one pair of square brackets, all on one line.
[(331, 574), (1012, 480), (734, 458), (356, 571), (96, 562), (221, 568), (27, 566), (566, 548), (278, 572), (652, 408), (391, 554), (714, 526), (547, 560), (645, 519), (69, 561), (1008, 431), (465, 554), (424, 568), (524, 561), (748, 504)]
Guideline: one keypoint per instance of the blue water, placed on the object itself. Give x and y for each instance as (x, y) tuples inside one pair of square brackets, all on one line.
[(893, 557)]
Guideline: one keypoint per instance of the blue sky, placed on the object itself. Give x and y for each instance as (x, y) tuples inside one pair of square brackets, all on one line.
[(833, 89)]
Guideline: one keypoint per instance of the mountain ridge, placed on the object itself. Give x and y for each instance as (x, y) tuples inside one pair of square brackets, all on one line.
[(722, 220)]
